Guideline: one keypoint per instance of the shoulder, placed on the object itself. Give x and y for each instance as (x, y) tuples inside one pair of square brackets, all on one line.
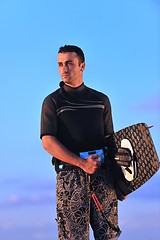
[(50, 101), (103, 97), (52, 96)]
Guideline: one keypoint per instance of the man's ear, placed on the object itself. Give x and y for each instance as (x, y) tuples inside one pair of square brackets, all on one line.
[(83, 66)]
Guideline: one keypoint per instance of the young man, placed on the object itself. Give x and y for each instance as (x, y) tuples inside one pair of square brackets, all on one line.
[(75, 122)]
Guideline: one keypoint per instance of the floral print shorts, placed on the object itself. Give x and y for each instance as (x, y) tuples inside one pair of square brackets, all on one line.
[(76, 210)]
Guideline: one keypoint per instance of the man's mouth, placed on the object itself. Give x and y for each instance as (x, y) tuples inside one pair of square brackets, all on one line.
[(65, 74)]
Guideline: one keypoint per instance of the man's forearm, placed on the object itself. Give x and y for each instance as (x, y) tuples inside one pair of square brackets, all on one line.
[(59, 151)]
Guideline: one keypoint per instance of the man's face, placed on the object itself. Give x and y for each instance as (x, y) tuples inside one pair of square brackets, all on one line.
[(70, 68)]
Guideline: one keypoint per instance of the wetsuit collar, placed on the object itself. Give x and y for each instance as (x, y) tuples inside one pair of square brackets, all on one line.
[(70, 89)]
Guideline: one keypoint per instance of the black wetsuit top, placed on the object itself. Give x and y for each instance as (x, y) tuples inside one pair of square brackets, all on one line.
[(80, 118)]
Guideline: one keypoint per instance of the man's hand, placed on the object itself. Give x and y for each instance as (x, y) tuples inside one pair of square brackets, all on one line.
[(91, 164), (123, 157)]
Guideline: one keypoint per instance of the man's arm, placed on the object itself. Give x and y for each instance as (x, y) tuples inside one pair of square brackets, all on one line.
[(59, 151)]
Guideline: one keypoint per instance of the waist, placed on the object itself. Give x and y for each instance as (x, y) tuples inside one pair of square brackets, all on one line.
[(63, 166)]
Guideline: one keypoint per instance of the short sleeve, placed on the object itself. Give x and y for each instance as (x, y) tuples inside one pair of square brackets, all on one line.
[(108, 122), (48, 117)]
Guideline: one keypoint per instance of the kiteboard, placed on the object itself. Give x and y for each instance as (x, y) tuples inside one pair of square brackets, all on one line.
[(145, 158)]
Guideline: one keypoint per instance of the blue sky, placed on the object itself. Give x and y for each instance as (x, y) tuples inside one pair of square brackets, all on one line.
[(121, 43)]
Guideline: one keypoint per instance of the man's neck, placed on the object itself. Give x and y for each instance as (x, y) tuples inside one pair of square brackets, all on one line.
[(74, 84)]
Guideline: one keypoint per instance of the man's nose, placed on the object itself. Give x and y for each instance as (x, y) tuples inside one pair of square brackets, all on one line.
[(65, 68)]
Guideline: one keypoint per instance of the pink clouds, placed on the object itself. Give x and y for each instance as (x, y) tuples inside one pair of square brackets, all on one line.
[(150, 104), (21, 193)]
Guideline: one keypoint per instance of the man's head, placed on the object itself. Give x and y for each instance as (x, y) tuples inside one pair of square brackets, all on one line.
[(71, 63)]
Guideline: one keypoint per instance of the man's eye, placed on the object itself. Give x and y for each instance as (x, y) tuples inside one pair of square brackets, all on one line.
[(70, 63)]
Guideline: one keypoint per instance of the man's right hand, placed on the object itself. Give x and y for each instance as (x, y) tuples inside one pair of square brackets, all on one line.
[(91, 164)]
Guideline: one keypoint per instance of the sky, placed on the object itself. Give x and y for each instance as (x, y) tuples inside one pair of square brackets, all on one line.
[(120, 40)]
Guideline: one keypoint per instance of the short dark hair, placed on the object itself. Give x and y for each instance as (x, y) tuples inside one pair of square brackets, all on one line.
[(73, 48)]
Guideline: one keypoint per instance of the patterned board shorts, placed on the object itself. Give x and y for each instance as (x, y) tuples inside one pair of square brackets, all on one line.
[(76, 208)]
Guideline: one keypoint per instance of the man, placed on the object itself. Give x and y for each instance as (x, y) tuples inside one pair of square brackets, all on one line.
[(75, 122)]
